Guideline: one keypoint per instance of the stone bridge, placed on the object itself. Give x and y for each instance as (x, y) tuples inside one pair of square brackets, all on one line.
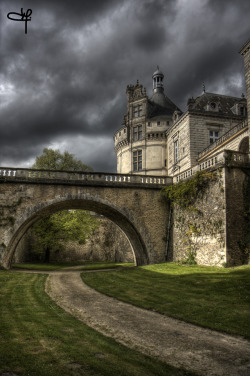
[(133, 202)]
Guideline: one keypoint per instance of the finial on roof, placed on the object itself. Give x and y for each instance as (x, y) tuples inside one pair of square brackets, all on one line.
[(242, 95), (157, 67), (137, 82), (204, 88)]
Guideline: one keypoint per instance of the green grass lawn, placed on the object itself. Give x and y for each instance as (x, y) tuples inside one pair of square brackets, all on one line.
[(212, 297), (37, 338), (86, 265)]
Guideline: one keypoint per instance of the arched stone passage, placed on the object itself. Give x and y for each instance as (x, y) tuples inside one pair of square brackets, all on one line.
[(33, 214), (244, 145)]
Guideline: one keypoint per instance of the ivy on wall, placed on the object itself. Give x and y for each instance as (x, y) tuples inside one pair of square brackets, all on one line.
[(186, 192)]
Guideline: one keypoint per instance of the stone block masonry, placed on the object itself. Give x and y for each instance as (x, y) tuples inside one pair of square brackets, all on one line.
[(138, 209), (216, 229), (237, 215)]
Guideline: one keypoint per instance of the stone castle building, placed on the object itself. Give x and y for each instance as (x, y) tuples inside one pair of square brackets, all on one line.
[(157, 138)]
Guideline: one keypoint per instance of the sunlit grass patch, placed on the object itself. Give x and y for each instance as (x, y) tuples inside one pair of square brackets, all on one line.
[(212, 297)]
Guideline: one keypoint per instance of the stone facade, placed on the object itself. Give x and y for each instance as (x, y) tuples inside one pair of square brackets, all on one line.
[(141, 142), (202, 137), (157, 138)]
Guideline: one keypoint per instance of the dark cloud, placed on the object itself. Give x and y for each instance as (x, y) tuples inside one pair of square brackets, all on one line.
[(64, 83)]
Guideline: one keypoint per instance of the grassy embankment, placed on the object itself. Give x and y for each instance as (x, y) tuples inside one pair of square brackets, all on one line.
[(37, 338), (211, 297), (86, 265)]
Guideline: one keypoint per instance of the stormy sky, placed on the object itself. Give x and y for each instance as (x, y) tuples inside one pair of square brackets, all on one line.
[(63, 84)]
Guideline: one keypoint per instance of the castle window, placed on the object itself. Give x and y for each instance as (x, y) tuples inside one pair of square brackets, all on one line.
[(213, 136), (137, 160), (124, 130), (176, 151), (158, 123), (137, 133), (242, 111), (149, 124), (138, 110)]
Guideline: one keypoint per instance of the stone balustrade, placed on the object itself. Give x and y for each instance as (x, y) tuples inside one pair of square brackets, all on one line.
[(84, 178), (225, 158)]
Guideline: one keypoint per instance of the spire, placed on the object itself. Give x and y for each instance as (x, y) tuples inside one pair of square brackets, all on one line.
[(158, 81)]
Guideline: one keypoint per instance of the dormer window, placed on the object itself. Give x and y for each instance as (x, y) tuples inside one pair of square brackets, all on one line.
[(242, 111), (175, 116), (212, 106)]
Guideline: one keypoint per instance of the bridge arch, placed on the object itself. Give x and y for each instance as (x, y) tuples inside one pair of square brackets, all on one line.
[(117, 215)]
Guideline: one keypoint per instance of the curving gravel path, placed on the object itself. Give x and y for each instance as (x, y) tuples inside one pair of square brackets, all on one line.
[(177, 343)]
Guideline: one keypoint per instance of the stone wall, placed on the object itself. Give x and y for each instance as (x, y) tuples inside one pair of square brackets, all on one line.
[(233, 143), (217, 231), (106, 243), (203, 228), (179, 132), (238, 215), (200, 127)]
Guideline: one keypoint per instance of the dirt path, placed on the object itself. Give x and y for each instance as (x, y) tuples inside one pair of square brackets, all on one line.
[(175, 342)]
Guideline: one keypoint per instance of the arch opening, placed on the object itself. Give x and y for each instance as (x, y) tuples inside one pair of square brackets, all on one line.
[(244, 145), (108, 211)]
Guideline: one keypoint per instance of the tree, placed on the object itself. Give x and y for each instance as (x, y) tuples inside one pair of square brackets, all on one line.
[(54, 160), (53, 232)]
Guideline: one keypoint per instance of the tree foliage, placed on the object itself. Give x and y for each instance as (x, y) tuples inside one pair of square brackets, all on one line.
[(54, 160), (53, 232)]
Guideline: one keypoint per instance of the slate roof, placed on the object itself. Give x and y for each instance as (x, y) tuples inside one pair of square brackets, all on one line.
[(159, 105), (224, 102)]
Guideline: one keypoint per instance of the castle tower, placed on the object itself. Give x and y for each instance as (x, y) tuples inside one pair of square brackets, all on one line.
[(140, 144), (158, 77)]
